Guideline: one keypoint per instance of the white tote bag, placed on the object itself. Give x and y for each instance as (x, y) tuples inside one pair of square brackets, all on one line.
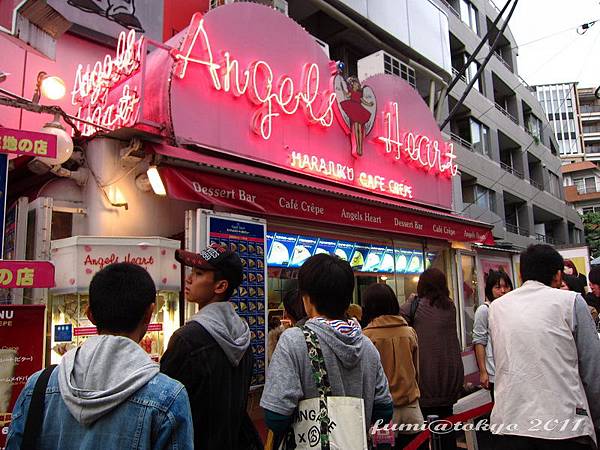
[(327, 422)]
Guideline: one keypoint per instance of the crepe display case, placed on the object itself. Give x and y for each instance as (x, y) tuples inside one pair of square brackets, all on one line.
[(78, 258)]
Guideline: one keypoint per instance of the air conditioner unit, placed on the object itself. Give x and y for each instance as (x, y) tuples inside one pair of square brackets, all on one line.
[(384, 63), (323, 45)]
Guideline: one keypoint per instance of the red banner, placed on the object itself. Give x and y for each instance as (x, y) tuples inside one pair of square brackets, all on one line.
[(237, 194), (21, 354), (18, 142), (26, 274)]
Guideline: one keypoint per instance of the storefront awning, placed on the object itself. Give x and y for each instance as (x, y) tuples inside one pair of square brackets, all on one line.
[(295, 200)]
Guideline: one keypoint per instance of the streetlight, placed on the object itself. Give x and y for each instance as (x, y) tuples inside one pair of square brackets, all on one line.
[(51, 87)]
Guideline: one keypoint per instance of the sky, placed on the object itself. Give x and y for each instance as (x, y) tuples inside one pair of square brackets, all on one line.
[(561, 58)]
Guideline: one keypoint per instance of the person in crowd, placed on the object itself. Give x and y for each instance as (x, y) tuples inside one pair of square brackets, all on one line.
[(547, 366), (441, 373), (571, 270), (497, 284), (275, 329), (294, 308), (571, 283), (397, 344), (593, 297), (326, 284), (355, 311), (108, 392), (210, 353)]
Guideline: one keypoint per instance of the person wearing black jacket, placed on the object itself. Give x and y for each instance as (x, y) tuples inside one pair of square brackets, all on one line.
[(593, 297), (210, 354)]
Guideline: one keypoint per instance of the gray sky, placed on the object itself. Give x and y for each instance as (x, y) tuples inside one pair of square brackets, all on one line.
[(565, 57)]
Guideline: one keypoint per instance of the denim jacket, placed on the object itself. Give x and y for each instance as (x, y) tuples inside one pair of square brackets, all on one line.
[(157, 416)]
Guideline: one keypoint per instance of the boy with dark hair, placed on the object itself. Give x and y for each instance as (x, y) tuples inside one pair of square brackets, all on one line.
[(545, 347), (108, 390), (326, 284), (210, 354)]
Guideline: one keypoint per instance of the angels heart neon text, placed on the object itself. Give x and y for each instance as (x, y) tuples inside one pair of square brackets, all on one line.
[(419, 150), (93, 84), (257, 82)]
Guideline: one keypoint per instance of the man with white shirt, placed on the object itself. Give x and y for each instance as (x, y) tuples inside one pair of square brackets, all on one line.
[(547, 356)]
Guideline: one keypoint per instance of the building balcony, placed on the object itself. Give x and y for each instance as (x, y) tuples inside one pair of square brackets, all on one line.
[(512, 170), (572, 195), (521, 231)]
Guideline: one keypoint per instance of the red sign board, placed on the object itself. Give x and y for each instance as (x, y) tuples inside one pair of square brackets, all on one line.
[(18, 142), (92, 331), (26, 274), (21, 354), (210, 189), (231, 84)]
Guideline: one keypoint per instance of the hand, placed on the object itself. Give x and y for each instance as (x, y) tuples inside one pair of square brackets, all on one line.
[(484, 379)]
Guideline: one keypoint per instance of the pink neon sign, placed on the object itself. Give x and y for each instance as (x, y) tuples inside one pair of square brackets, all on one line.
[(93, 85), (236, 86)]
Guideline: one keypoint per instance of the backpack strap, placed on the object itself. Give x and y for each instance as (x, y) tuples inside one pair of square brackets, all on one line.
[(413, 310), (35, 414), (319, 372)]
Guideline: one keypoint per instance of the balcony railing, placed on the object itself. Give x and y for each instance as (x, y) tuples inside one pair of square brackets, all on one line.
[(455, 72), (592, 149), (451, 8), (517, 230), (498, 55), (512, 170), (536, 184), (587, 109), (545, 239), (506, 113), (461, 141)]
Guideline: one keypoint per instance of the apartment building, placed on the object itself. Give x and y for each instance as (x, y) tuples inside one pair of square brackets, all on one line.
[(589, 107), (509, 157), (560, 101), (582, 186)]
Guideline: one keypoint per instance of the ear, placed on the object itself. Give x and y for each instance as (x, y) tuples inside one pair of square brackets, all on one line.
[(221, 287), (149, 312), (557, 279), (90, 316)]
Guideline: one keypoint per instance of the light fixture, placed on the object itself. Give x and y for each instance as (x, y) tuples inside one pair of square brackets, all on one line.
[(51, 87), (64, 143), (155, 181), (416, 279), (383, 278)]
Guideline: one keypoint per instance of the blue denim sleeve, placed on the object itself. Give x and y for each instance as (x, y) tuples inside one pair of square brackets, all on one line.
[(177, 429), (19, 415)]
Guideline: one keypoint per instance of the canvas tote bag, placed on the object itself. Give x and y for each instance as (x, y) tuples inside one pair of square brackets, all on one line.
[(326, 422)]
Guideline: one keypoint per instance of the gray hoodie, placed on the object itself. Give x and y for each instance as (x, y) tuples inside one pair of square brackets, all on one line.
[(225, 326), (101, 374), (352, 363)]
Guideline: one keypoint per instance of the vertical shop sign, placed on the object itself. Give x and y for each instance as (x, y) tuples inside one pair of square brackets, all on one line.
[(247, 239), (21, 354), (3, 188)]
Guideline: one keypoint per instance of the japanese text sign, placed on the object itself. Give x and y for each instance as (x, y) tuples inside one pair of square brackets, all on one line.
[(26, 274), (30, 143)]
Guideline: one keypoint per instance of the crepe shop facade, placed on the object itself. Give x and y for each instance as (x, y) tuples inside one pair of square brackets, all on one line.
[(261, 144)]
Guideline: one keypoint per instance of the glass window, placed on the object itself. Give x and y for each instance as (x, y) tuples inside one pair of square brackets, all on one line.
[(485, 198), (468, 14), (480, 137)]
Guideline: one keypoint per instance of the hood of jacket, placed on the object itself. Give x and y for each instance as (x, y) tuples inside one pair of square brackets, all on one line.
[(101, 374), (348, 349), (227, 328), (387, 321)]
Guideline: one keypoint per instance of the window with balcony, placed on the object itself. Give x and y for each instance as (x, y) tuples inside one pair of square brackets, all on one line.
[(485, 198), (480, 137), (468, 14), (591, 209), (585, 185), (554, 182)]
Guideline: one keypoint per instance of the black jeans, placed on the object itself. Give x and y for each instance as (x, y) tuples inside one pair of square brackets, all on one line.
[(448, 440), (507, 442)]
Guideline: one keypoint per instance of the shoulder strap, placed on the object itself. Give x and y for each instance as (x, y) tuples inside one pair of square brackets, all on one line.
[(35, 415), (413, 310), (319, 372)]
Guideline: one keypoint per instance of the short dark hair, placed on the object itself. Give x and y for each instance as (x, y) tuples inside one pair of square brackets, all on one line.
[(329, 282), (379, 300), (594, 275), (493, 279), (294, 307), (433, 286), (574, 284), (540, 262), (119, 296), (219, 275)]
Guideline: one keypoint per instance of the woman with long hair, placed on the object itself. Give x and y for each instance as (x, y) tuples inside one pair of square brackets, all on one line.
[(397, 344), (441, 372)]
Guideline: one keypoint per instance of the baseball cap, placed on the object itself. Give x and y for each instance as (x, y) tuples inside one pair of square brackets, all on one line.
[(214, 257)]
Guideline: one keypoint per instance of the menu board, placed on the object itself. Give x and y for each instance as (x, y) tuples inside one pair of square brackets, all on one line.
[(247, 239), (290, 251)]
